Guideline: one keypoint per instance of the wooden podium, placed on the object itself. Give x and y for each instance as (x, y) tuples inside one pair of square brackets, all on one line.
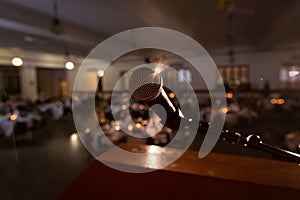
[(215, 176)]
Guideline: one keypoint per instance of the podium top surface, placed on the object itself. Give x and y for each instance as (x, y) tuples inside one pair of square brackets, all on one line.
[(215, 176), (223, 166)]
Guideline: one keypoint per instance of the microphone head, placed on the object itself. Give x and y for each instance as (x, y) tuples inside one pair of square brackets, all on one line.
[(145, 84)]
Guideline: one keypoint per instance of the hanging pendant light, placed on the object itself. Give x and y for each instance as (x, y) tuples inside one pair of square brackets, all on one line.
[(56, 26), (69, 65), (228, 6)]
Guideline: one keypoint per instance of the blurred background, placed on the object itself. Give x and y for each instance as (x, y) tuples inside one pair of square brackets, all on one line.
[(255, 45)]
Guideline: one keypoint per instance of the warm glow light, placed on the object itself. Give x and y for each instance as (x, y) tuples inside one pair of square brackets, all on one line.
[(273, 101), (141, 107), (13, 117), (293, 73), (224, 110), (138, 125), (154, 149), (130, 127), (123, 107), (157, 70), (74, 137), (125, 99), (75, 98), (74, 140), (69, 65), (17, 61), (87, 130), (117, 128), (171, 95), (101, 73), (229, 95), (280, 101), (277, 101), (102, 120)]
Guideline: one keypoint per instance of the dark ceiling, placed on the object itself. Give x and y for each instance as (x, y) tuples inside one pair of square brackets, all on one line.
[(256, 25)]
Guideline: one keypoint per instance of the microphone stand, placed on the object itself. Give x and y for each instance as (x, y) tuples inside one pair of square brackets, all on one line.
[(253, 141)]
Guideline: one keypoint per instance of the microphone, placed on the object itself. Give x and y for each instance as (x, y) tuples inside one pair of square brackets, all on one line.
[(147, 86)]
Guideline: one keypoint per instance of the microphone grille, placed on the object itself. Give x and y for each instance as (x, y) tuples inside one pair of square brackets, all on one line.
[(145, 84)]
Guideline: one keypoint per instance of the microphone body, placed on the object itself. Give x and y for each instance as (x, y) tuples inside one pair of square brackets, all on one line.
[(147, 87)]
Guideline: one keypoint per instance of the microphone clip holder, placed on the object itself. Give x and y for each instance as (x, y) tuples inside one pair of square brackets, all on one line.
[(255, 142)]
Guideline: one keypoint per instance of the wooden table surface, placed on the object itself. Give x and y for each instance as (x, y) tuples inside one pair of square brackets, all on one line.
[(215, 176)]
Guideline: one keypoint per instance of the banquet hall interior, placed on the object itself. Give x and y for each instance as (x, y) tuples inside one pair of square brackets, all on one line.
[(54, 83)]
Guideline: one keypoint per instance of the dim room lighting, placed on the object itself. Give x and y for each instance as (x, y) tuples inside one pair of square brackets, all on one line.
[(69, 65), (138, 125), (141, 107), (293, 73), (224, 110), (154, 150), (171, 95), (229, 95), (273, 101), (17, 61), (123, 107), (75, 98), (126, 99), (74, 137), (13, 117), (280, 101), (100, 73), (117, 128), (102, 120), (157, 70), (87, 130), (130, 127)]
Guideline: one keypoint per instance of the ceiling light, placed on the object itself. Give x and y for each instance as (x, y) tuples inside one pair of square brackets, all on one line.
[(101, 73), (56, 26), (69, 65), (17, 61)]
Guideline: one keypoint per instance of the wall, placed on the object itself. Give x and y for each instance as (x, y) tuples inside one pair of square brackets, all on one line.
[(32, 60), (28, 82), (113, 73), (264, 65), (50, 82)]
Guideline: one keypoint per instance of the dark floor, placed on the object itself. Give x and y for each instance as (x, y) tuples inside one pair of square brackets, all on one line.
[(47, 163)]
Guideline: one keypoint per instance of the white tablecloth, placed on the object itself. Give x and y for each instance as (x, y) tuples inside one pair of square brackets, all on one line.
[(6, 126)]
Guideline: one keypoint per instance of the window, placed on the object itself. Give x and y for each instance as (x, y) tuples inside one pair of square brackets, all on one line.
[(184, 75), (289, 76), (9, 80), (236, 73)]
